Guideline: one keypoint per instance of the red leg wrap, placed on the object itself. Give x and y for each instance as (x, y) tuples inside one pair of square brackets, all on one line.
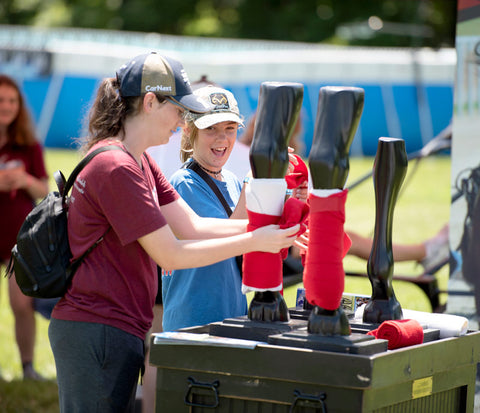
[(324, 277), (262, 270)]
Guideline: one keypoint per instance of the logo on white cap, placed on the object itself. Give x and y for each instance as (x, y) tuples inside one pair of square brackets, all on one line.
[(220, 101)]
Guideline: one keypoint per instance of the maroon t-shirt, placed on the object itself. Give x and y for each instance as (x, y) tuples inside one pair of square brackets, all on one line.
[(15, 206), (117, 283)]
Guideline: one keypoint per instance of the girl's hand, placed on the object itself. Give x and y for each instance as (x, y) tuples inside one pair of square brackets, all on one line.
[(302, 241), (301, 192), (292, 160), (271, 238), (6, 182), (20, 179)]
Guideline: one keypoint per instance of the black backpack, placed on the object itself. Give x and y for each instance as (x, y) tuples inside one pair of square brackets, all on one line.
[(41, 258)]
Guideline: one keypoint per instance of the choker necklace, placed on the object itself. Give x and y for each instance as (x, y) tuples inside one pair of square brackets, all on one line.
[(214, 173)]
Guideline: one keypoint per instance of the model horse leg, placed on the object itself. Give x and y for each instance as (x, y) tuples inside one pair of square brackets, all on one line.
[(389, 172), (278, 109), (338, 115)]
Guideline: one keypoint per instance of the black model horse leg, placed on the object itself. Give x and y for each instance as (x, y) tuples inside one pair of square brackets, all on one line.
[(278, 109), (338, 115), (389, 172), (268, 306)]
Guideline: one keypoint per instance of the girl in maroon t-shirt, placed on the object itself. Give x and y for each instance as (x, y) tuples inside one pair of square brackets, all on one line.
[(23, 180)]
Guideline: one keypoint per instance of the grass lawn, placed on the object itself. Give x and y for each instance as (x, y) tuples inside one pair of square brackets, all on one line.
[(422, 209)]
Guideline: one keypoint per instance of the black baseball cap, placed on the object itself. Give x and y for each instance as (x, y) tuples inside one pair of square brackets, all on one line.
[(161, 75)]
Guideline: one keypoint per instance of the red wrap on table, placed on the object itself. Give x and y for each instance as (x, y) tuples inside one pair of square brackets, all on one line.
[(324, 277), (399, 333)]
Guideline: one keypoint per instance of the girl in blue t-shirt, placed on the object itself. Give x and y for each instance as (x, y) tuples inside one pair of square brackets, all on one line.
[(203, 295)]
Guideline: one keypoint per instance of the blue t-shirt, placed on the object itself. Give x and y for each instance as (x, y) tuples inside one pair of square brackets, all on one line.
[(203, 295)]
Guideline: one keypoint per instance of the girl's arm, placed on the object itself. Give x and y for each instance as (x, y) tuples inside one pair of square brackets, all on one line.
[(171, 253), (186, 224)]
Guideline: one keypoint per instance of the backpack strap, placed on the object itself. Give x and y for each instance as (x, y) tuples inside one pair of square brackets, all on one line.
[(81, 165), (194, 166), (65, 188)]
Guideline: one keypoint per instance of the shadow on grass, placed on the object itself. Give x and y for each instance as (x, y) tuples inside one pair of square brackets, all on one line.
[(28, 396)]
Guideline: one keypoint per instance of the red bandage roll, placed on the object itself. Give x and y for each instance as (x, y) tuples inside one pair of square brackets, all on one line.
[(294, 212), (324, 277), (262, 270), (299, 174), (399, 333)]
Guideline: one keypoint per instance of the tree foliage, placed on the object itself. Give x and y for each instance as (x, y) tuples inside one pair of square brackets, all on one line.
[(368, 22)]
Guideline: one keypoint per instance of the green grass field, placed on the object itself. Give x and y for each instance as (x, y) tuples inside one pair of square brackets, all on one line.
[(422, 209)]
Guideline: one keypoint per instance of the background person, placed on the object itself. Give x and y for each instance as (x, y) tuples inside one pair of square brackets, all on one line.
[(98, 328), (23, 180)]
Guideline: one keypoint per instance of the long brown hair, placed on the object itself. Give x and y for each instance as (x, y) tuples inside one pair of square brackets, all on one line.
[(109, 111), (21, 131)]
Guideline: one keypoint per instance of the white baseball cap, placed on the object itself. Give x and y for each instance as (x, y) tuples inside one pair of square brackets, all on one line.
[(225, 107)]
